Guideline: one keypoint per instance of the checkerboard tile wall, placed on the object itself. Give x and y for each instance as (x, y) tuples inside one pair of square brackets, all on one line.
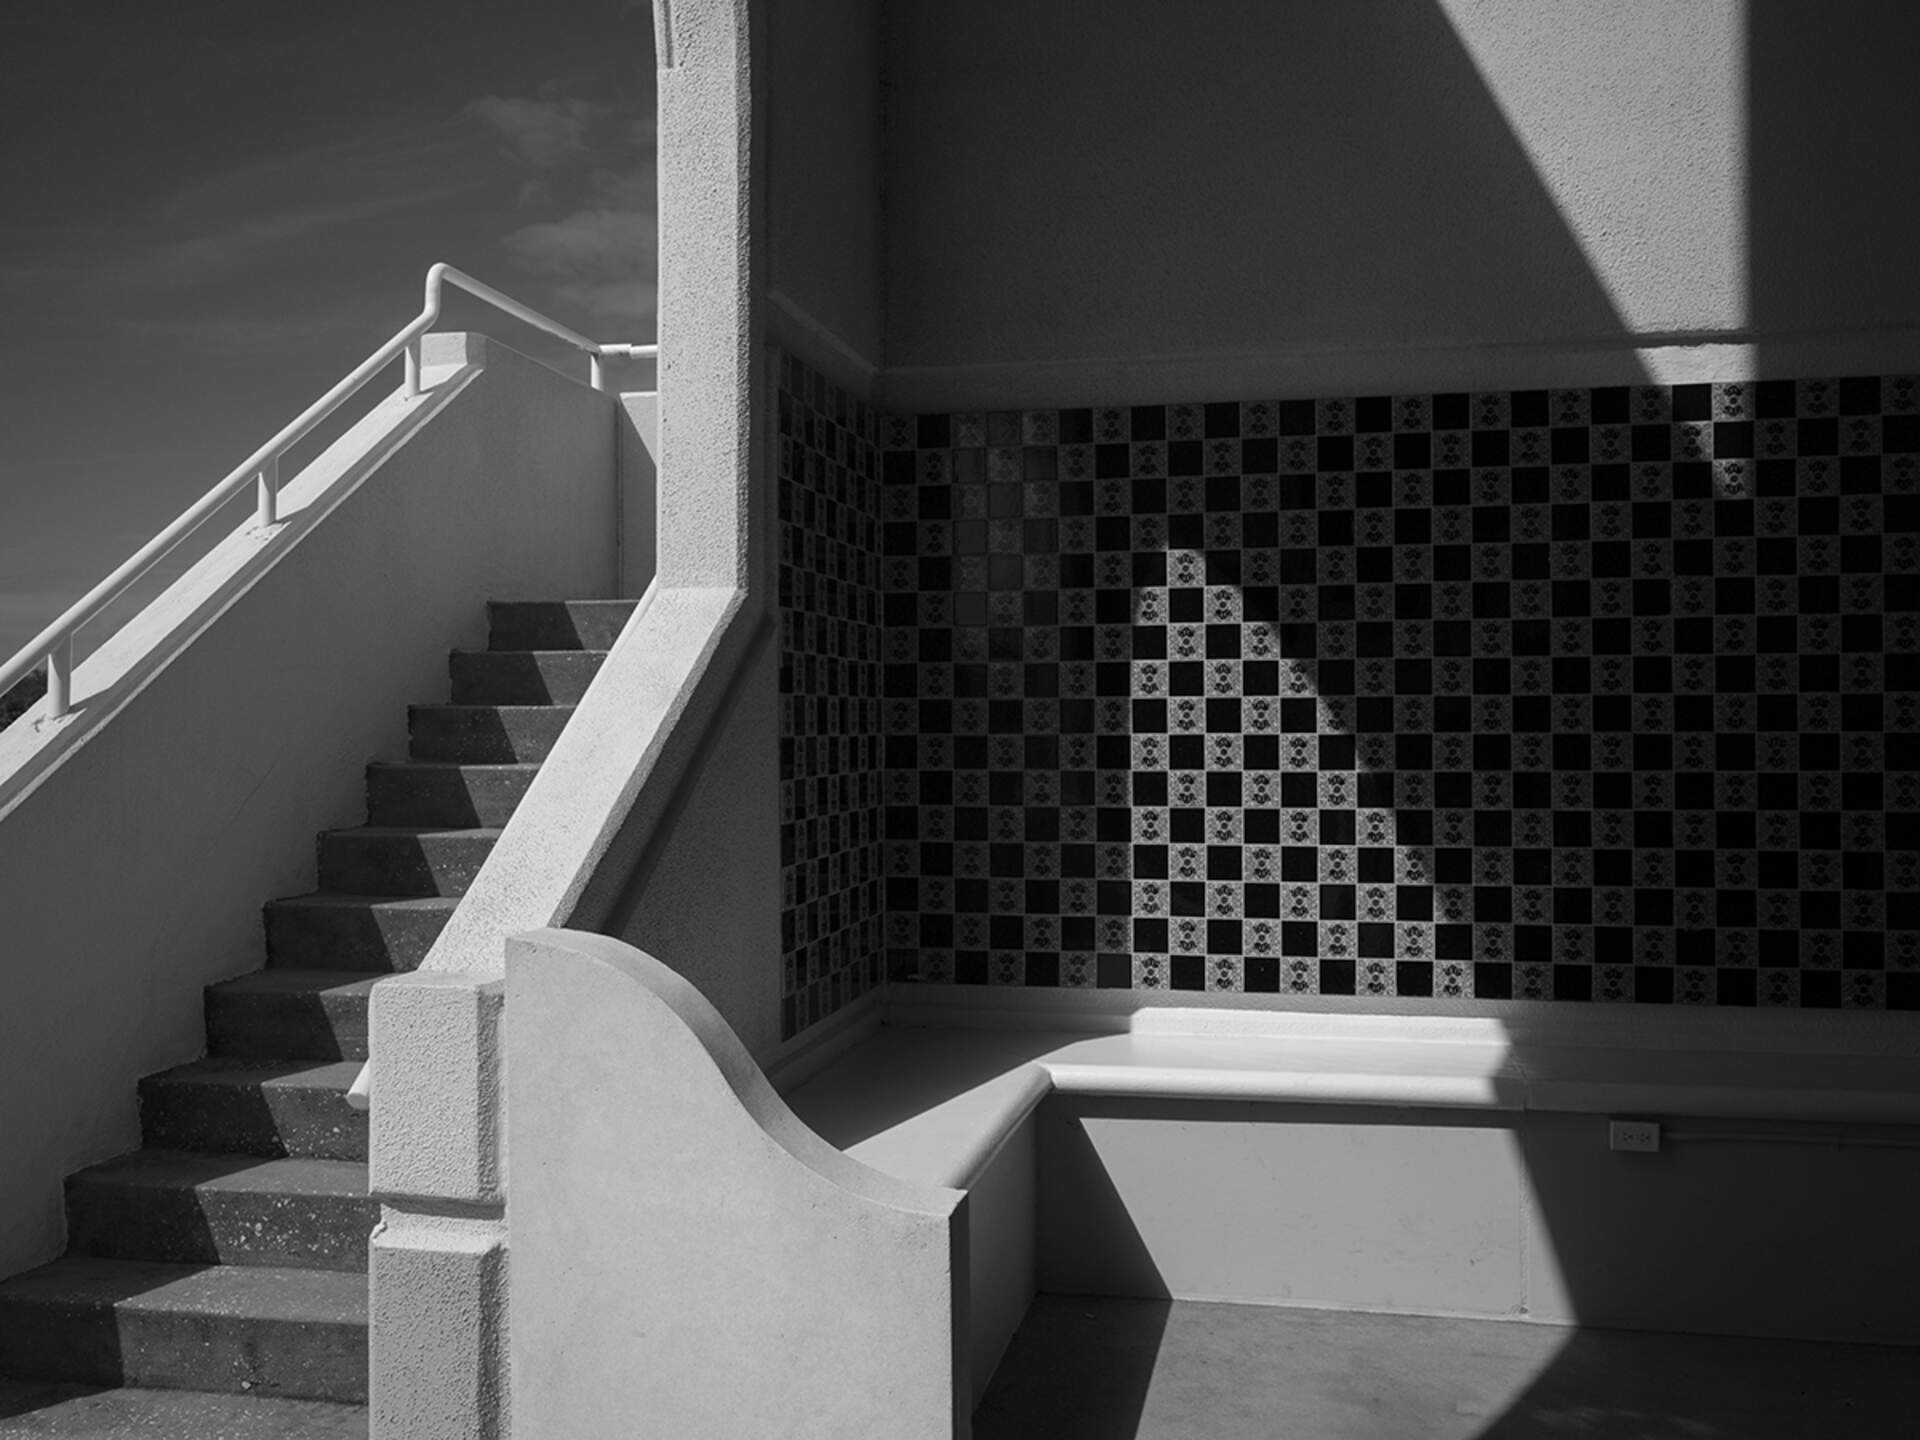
[(830, 779), (1603, 694)]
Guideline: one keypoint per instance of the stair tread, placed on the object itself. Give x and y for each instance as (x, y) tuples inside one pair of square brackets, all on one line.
[(66, 1410), (235, 1174), (459, 767), (522, 733), (418, 832), (268, 1074), (254, 1292), (338, 899), (562, 653), (487, 709), (344, 930), (299, 982), (556, 624)]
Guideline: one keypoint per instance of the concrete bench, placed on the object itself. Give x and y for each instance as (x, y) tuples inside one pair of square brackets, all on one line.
[(894, 1213), (1443, 1165)]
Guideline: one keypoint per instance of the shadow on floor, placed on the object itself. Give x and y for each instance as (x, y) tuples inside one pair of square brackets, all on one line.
[(1099, 1368)]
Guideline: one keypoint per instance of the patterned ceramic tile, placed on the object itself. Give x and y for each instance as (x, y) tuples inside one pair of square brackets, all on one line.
[(1580, 695), (831, 776)]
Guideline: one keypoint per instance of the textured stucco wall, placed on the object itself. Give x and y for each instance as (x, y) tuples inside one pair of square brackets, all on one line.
[(707, 902), (133, 873), (1100, 202), (823, 181), (689, 1260)]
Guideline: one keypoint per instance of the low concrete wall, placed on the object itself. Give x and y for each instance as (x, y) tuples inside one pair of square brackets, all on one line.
[(1731, 1229), (690, 1260), (232, 720), (604, 805)]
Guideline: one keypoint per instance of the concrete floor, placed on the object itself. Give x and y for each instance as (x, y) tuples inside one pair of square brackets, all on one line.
[(1108, 1369), (93, 1412)]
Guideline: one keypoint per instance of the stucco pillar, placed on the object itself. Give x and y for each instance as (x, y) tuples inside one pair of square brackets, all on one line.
[(441, 1362), (712, 275), (438, 1262)]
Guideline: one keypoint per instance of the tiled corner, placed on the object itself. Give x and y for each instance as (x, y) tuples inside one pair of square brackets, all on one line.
[(829, 616), (1600, 695)]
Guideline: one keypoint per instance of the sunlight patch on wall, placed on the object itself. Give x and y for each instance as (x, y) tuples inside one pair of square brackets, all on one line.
[(1634, 114)]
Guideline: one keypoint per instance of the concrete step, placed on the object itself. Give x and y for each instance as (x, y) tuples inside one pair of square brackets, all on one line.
[(422, 792), (222, 1209), (556, 624), (255, 1107), (400, 860), (261, 1330), (522, 677), (66, 1410), (290, 1015), (353, 932), (485, 734)]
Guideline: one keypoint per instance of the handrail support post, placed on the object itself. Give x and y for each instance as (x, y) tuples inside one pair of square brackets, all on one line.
[(596, 371), (269, 493), (60, 677), (413, 368)]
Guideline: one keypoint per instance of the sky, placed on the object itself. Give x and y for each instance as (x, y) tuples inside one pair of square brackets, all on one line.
[(211, 211)]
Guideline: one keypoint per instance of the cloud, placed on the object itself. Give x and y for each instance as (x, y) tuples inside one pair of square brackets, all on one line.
[(292, 205), (540, 133), (216, 252), (601, 256), (585, 243), (254, 335)]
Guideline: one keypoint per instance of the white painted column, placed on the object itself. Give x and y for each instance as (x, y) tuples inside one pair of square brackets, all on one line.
[(441, 1368)]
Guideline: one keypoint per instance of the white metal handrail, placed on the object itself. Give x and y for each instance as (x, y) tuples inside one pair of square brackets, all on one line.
[(54, 645)]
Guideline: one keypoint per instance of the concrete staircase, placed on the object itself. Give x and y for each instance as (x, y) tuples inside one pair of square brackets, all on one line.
[(229, 1255)]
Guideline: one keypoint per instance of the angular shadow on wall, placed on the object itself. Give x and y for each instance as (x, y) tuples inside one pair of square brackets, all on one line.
[(1425, 157), (1078, 1369), (1082, 1363), (1827, 245), (1031, 556), (1222, 179), (1031, 741)]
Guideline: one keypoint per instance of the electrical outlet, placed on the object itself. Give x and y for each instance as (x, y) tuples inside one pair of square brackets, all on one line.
[(1637, 1135)]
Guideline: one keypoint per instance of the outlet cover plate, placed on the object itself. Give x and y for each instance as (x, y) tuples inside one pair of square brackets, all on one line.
[(1639, 1136)]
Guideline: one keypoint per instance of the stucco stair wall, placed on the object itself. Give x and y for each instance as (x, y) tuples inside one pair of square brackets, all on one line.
[(230, 1254)]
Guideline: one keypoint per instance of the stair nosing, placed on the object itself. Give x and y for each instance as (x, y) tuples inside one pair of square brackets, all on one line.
[(343, 899), (44, 1285), (293, 980), (143, 1169), (530, 709), (417, 832), (537, 650), (499, 766), (231, 1069)]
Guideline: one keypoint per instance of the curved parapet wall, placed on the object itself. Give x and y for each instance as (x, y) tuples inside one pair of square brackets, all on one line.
[(689, 1259)]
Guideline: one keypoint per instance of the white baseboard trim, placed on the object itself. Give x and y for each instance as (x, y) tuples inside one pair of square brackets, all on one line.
[(819, 344), (814, 1049), (1311, 370)]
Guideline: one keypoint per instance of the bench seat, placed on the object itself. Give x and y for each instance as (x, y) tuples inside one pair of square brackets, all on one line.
[(1505, 1118), (932, 1103), (872, 1228)]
